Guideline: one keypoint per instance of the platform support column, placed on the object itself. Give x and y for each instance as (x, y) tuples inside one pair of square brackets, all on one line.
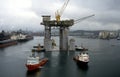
[(47, 39), (64, 38)]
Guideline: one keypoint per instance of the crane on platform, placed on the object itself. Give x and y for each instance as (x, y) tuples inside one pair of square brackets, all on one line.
[(59, 12)]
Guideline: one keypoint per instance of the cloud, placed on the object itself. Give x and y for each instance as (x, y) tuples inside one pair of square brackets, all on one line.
[(27, 13), (17, 14)]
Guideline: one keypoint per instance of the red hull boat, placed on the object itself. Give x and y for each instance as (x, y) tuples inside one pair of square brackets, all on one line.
[(34, 63)]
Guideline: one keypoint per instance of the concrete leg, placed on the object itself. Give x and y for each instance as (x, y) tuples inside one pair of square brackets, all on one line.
[(47, 39), (64, 38)]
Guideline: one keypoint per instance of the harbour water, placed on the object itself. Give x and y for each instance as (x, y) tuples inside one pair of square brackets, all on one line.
[(104, 60)]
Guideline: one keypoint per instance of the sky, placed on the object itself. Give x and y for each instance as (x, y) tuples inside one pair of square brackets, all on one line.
[(26, 14)]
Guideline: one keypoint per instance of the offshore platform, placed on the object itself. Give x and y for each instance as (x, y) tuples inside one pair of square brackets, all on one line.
[(63, 26), (63, 29)]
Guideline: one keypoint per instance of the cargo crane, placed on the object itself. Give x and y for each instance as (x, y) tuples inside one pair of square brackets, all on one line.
[(59, 12)]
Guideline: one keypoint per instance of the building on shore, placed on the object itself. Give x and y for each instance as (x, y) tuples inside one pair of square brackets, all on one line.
[(108, 34)]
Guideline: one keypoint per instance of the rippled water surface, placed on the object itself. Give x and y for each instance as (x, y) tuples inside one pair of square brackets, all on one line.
[(104, 60)]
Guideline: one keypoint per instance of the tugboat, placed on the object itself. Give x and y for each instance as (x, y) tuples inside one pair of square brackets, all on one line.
[(34, 62), (118, 38), (82, 58), (80, 48), (39, 48)]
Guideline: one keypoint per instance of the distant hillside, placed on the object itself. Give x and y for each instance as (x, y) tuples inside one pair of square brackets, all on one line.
[(84, 32)]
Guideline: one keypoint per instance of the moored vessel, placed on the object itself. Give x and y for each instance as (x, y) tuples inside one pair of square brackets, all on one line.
[(8, 42), (21, 37), (5, 40)]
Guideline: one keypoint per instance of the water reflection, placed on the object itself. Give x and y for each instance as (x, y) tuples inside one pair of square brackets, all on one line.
[(35, 73), (82, 67)]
